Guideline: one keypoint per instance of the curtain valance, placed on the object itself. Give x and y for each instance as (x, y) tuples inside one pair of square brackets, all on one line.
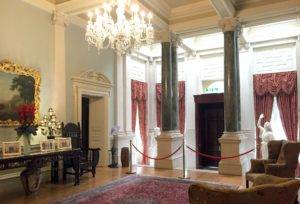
[(274, 83)]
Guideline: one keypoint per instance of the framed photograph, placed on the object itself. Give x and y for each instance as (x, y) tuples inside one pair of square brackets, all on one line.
[(47, 145), (64, 143), (18, 86), (11, 148)]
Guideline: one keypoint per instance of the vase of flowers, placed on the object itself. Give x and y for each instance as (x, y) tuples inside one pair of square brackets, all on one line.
[(27, 128)]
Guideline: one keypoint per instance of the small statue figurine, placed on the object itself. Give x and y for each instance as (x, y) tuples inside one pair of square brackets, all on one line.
[(114, 150), (266, 135)]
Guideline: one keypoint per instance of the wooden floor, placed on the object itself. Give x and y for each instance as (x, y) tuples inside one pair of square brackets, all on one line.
[(11, 191)]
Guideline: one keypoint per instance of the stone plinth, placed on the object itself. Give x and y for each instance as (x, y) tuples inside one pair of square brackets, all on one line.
[(123, 140), (167, 143), (233, 143)]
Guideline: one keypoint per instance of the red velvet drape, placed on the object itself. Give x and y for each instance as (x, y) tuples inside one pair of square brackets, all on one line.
[(181, 98), (284, 86), (139, 96)]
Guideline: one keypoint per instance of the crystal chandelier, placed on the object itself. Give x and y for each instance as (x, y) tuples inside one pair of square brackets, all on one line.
[(121, 34)]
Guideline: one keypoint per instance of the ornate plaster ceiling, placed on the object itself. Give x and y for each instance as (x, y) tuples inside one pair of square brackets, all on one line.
[(186, 17), (176, 3)]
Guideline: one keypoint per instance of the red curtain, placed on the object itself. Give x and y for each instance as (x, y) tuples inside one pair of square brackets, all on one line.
[(181, 98), (284, 86), (139, 95)]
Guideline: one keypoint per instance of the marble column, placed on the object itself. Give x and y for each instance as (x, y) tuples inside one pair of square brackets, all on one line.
[(170, 138), (60, 21), (175, 110), (232, 140), (166, 89)]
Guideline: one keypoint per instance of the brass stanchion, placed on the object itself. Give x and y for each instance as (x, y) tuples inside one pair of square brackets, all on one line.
[(130, 160), (184, 171)]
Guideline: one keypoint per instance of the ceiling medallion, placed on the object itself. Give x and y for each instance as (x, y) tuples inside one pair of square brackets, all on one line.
[(121, 34)]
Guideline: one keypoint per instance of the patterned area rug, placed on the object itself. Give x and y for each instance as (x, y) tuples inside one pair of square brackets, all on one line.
[(135, 189)]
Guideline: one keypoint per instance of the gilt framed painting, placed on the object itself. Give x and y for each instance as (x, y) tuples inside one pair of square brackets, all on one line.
[(18, 86)]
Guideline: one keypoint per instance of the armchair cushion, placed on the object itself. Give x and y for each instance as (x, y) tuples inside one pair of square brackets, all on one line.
[(285, 192), (268, 179), (258, 165)]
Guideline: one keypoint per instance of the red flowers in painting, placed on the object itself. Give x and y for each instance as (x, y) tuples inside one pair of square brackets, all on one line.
[(26, 114)]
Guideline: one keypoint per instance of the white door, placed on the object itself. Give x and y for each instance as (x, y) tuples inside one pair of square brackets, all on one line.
[(98, 127)]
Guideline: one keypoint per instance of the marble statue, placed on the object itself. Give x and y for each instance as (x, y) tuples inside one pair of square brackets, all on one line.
[(266, 135)]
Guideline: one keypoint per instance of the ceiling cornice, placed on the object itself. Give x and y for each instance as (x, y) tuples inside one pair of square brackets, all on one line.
[(224, 8), (160, 7), (193, 9), (280, 9), (42, 4), (187, 20), (250, 16), (76, 7)]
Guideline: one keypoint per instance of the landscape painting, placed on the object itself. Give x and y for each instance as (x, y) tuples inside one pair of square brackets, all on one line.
[(19, 85), (15, 90)]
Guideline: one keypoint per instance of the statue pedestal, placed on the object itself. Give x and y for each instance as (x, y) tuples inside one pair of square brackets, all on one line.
[(167, 143), (233, 143), (123, 140)]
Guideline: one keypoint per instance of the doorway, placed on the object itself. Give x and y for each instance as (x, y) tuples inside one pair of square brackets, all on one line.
[(85, 104), (209, 128), (94, 125)]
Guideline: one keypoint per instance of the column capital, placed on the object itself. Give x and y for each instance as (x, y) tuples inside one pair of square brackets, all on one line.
[(169, 36), (61, 19), (230, 24)]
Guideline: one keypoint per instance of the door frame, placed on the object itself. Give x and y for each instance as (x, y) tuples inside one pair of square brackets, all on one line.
[(201, 100), (93, 84)]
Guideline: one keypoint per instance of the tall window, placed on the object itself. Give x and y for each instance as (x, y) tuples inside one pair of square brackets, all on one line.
[(275, 58), (276, 123)]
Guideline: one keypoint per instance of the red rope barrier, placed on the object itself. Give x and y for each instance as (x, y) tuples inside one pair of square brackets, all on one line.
[(157, 158), (216, 157)]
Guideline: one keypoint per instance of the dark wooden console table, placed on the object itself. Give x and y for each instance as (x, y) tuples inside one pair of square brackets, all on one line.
[(31, 176)]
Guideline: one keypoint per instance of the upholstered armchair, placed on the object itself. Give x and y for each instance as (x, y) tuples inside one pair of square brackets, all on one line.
[(266, 189), (282, 161)]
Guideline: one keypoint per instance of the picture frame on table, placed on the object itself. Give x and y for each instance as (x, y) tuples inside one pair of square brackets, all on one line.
[(47, 145), (11, 148), (63, 143)]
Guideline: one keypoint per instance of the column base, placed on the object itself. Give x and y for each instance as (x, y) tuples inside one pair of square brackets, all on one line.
[(167, 143), (233, 143)]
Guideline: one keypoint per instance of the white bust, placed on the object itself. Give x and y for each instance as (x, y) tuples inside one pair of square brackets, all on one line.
[(266, 134)]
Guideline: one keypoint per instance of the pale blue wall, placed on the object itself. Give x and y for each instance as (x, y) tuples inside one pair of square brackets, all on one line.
[(79, 58), (26, 38)]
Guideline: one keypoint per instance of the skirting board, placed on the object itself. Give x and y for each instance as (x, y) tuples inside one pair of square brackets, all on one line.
[(13, 173)]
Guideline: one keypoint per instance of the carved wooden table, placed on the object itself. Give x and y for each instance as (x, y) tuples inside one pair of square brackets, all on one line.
[(31, 176)]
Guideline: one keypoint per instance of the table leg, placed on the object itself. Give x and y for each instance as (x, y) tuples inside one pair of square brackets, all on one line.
[(77, 170), (54, 171)]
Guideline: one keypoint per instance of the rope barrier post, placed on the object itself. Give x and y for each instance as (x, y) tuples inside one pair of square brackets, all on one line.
[(130, 160), (184, 170)]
